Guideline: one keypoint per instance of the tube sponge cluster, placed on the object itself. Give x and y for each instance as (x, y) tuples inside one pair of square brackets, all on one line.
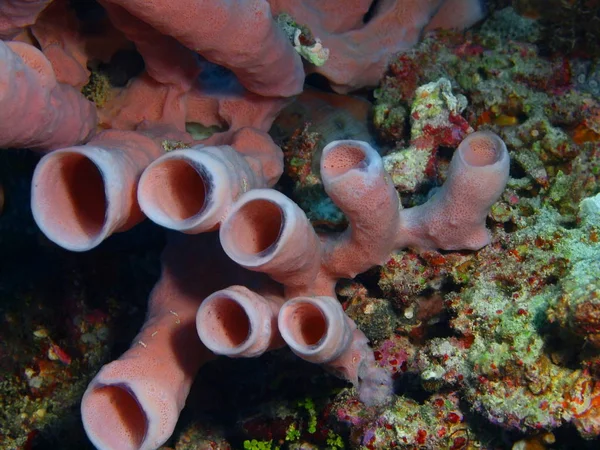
[(263, 232)]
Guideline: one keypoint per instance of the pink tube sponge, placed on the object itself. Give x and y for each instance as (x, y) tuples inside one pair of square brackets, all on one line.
[(264, 231), (36, 111), (81, 195), (191, 190), (318, 330), (354, 178), (454, 218), (362, 36), (133, 403), (267, 232), (238, 34), (238, 322)]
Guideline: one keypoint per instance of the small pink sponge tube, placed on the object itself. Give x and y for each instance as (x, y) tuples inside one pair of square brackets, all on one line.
[(454, 217), (317, 330), (267, 232), (36, 111), (354, 178), (238, 322), (191, 190), (81, 195)]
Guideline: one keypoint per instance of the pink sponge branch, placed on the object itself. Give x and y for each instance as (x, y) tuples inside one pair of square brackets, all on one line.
[(238, 34), (265, 228), (165, 60), (454, 218), (267, 232), (134, 402), (36, 111), (354, 178), (238, 322), (81, 195), (360, 50), (191, 190), (318, 330), (178, 87)]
